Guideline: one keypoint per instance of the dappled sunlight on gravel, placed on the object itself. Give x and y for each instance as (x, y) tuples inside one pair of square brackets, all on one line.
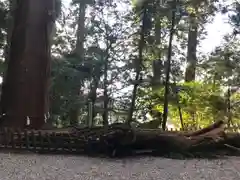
[(50, 167)]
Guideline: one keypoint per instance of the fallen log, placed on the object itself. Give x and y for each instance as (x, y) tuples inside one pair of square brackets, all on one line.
[(216, 125), (121, 139), (168, 142)]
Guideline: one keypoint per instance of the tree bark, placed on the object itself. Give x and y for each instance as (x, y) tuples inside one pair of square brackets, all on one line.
[(157, 65), (27, 80), (192, 51), (105, 92), (120, 139)]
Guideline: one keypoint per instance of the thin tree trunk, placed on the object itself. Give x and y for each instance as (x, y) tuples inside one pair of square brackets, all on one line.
[(229, 109), (168, 71), (27, 80)]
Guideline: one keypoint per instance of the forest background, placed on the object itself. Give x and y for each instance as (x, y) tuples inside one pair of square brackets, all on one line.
[(101, 54)]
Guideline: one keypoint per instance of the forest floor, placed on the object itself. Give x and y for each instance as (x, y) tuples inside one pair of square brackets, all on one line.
[(56, 167)]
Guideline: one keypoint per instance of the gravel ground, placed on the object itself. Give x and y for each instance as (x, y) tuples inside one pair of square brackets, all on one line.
[(43, 167)]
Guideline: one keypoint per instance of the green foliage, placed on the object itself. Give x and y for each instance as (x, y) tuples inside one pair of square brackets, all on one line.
[(65, 73), (203, 99)]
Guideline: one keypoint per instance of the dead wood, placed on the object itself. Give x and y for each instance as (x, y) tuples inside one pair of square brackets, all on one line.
[(121, 139), (217, 125)]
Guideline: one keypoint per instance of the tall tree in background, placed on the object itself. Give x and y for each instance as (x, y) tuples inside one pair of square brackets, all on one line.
[(79, 52), (192, 44), (144, 30), (200, 12), (25, 94)]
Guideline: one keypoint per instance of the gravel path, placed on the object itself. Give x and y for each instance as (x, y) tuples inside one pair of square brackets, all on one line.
[(42, 167)]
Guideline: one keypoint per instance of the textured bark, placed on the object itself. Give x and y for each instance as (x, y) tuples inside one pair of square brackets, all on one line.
[(157, 65), (119, 139), (215, 125), (25, 94), (192, 51)]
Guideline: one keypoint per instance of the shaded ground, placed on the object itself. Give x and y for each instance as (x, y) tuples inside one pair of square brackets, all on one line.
[(43, 167)]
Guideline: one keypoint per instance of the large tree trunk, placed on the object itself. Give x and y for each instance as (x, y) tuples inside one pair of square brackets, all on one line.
[(25, 94), (120, 139)]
